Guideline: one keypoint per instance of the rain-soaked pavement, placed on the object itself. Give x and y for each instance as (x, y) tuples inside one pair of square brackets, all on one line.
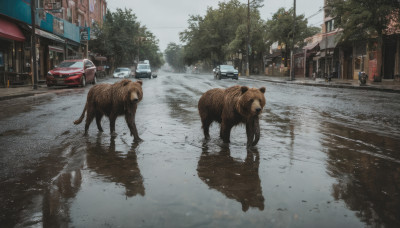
[(326, 158)]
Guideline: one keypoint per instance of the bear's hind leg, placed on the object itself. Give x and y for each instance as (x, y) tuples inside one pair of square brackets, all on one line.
[(89, 119), (98, 121), (206, 122)]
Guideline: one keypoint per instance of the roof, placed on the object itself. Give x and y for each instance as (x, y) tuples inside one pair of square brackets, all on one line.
[(328, 42)]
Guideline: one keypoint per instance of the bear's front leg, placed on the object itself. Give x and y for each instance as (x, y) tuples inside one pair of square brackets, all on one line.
[(250, 131), (130, 120), (225, 133)]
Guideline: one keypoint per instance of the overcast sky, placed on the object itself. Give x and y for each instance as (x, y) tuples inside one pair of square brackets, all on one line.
[(166, 18)]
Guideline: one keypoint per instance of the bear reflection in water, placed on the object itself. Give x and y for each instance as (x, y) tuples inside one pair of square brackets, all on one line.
[(236, 179), (116, 167)]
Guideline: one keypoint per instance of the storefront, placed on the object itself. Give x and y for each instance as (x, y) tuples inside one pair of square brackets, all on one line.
[(12, 67), (50, 52)]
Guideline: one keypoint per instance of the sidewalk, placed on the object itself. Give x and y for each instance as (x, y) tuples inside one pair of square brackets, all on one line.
[(385, 86), (21, 91)]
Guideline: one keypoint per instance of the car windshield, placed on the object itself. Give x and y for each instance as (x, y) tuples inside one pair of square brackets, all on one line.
[(227, 67), (71, 64), (121, 70), (143, 67)]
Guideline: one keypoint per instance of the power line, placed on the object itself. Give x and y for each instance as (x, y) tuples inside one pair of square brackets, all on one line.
[(316, 13)]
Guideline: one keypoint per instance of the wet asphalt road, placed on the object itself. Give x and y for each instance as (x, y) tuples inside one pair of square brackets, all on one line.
[(326, 158)]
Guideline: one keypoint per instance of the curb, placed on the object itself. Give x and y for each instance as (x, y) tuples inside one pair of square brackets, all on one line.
[(367, 87)]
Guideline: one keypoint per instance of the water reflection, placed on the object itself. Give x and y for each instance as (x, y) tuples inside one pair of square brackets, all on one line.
[(116, 167), (55, 201), (367, 169), (238, 180)]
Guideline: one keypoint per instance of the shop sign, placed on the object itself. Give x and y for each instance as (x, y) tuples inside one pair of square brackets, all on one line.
[(58, 26), (85, 33)]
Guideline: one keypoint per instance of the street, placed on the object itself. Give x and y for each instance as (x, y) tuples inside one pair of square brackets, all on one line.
[(327, 157)]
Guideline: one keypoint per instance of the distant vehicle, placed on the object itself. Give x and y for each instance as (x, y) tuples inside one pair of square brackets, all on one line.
[(143, 70), (226, 71), (122, 72), (195, 70), (101, 65), (72, 73)]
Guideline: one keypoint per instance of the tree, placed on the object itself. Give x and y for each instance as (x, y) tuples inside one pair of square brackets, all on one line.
[(221, 33), (120, 40), (174, 57), (280, 29), (363, 20)]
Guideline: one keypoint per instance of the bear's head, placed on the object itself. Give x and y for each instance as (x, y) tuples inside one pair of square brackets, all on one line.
[(251, 101), (134, 92)]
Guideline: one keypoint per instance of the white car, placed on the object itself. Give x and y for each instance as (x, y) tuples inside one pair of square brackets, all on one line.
[(122, 73)]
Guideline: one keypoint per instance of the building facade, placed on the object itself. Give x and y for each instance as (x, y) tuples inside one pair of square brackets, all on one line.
[(346, 59), (62, 30)]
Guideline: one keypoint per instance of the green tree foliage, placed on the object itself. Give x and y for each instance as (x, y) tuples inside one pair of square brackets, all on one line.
[(222, 32), (174, 57), (280, 29), (121, 39), (360, 20)]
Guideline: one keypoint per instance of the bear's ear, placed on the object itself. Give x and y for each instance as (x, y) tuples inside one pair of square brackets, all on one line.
[(125, 82), (244, 89), (140, 82), (262, 89)]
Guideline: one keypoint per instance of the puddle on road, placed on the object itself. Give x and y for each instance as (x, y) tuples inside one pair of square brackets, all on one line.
[(309, 169)]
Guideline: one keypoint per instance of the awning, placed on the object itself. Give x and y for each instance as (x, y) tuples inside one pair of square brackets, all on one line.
[(56, 49), (48, 35), (328, 42), (10, 30), (100, 58), (310, 46)]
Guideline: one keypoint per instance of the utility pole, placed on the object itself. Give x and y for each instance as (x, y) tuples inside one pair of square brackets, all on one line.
[(293, 39), (33, 46), (248, 39)]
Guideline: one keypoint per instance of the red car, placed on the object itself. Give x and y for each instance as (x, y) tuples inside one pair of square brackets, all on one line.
[(72, 73)]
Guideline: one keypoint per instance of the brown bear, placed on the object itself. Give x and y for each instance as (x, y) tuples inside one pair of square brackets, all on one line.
[(230, 107), (113, 100)]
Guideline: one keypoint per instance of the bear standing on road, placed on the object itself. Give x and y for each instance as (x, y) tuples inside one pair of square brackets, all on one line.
[(113, 100), (231, 106)]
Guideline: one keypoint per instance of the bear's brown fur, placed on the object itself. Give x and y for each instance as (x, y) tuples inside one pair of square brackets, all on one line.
[(113, 100), (231, 106)]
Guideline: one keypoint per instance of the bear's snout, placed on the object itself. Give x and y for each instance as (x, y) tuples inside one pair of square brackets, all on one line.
[(134, 97), (256, 107)]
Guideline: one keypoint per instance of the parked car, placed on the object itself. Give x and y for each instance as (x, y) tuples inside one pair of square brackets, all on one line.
[(72, 73), (143, 70), (122, 72), (226, 71)]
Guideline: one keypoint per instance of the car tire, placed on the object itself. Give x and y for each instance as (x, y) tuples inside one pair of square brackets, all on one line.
[(94, 79), (83, 83)]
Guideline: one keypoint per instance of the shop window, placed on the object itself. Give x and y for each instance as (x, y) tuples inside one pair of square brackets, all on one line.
[(359, 63), (329, 26)]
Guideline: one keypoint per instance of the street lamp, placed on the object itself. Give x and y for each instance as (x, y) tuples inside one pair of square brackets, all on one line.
[(33, 46), (248, 38), (292, 51), (140, 39)]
